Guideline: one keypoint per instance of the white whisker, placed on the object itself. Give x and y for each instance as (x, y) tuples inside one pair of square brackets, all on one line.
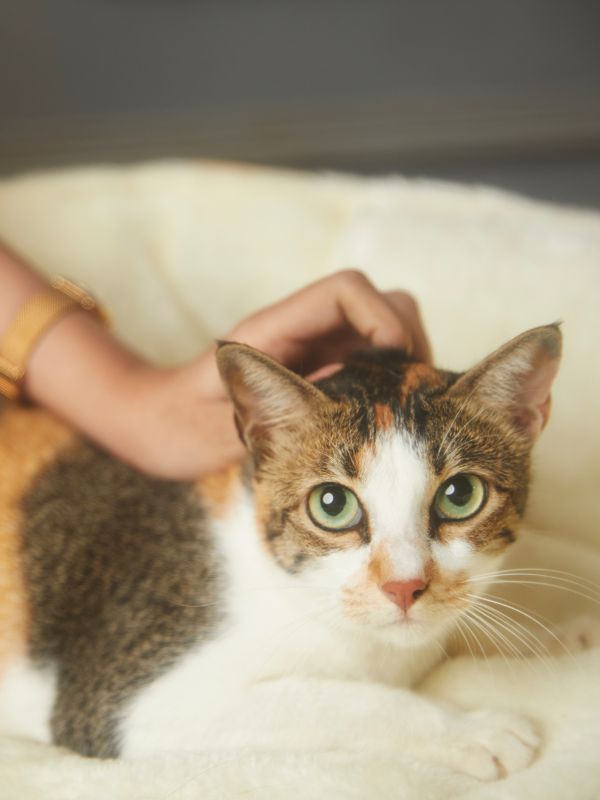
[(523, 636), (519, 610), (487, 632), (459, 629), (530, 583), (556, 575), (496, 637), (464, 621)]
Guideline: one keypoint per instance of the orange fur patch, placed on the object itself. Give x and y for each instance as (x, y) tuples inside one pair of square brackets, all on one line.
[(381, 568), (216, 490), (29, 439), (361, 459), (419, 376), (384, 417), (263, 504)]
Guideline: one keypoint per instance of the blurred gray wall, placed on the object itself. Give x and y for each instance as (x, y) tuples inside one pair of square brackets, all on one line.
[(501, 91)]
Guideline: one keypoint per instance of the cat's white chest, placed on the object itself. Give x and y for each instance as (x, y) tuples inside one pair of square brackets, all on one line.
[(26, 699)]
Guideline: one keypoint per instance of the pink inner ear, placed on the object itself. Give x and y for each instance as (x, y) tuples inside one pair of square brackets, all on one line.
[(532, 407)]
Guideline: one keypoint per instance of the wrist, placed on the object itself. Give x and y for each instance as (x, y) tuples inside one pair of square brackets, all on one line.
[(79, 372)]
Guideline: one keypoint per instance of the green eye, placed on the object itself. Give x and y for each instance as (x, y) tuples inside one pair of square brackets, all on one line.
[(459, 497), (334, 507)]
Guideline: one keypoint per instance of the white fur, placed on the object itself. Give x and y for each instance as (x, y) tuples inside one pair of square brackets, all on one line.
[(395, 492), (26, 698), (454, 555)]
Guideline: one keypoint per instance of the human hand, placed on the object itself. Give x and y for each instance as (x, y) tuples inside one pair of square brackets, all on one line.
[(178, 423), (182, 422), (325, 321)]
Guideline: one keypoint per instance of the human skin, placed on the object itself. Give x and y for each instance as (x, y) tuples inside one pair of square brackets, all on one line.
[(177, 422)]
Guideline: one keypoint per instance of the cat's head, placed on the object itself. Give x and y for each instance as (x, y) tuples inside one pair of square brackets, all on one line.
[(388, 488)]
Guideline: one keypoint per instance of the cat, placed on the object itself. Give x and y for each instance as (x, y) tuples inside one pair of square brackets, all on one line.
[(291, 601)]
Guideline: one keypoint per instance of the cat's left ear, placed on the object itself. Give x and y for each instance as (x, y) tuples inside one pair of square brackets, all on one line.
[(516, 379), (270, 400)]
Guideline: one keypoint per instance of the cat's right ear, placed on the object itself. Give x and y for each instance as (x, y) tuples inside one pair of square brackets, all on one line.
[(271, 402), (515, 381)]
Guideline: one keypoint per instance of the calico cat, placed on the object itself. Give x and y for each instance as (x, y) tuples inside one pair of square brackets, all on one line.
[(289, 602)]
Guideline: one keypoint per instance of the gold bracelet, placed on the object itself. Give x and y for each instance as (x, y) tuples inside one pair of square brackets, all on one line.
[(34, 318)]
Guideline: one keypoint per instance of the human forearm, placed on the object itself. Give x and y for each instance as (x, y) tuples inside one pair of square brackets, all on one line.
[(178, 423), (75, 369), (155, 419), (84, 375)]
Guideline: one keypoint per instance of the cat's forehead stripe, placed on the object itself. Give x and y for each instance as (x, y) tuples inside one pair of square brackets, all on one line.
[(414, 379), (385, 390), (384, 416), (394, 486), (418, 377)]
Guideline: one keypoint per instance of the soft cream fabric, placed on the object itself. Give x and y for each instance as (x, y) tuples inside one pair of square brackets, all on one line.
[(179, 251)]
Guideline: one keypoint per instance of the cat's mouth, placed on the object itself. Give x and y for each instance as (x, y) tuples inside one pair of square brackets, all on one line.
[(419, 624), (404, 620)]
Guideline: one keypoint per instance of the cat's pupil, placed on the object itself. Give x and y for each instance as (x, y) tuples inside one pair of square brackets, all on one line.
[(459, 491), (333, 501)]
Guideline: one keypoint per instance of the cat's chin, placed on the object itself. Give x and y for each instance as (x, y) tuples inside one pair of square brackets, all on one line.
[(409, 633), (402, 632)]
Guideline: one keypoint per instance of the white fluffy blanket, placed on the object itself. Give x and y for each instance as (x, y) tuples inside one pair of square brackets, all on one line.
[(179, 251)]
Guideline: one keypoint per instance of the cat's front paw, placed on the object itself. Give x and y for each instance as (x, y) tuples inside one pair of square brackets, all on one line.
[(577, 634), (492, 744)]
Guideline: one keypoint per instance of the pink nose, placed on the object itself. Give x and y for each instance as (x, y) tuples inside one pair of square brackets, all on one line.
[(404, 593)]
